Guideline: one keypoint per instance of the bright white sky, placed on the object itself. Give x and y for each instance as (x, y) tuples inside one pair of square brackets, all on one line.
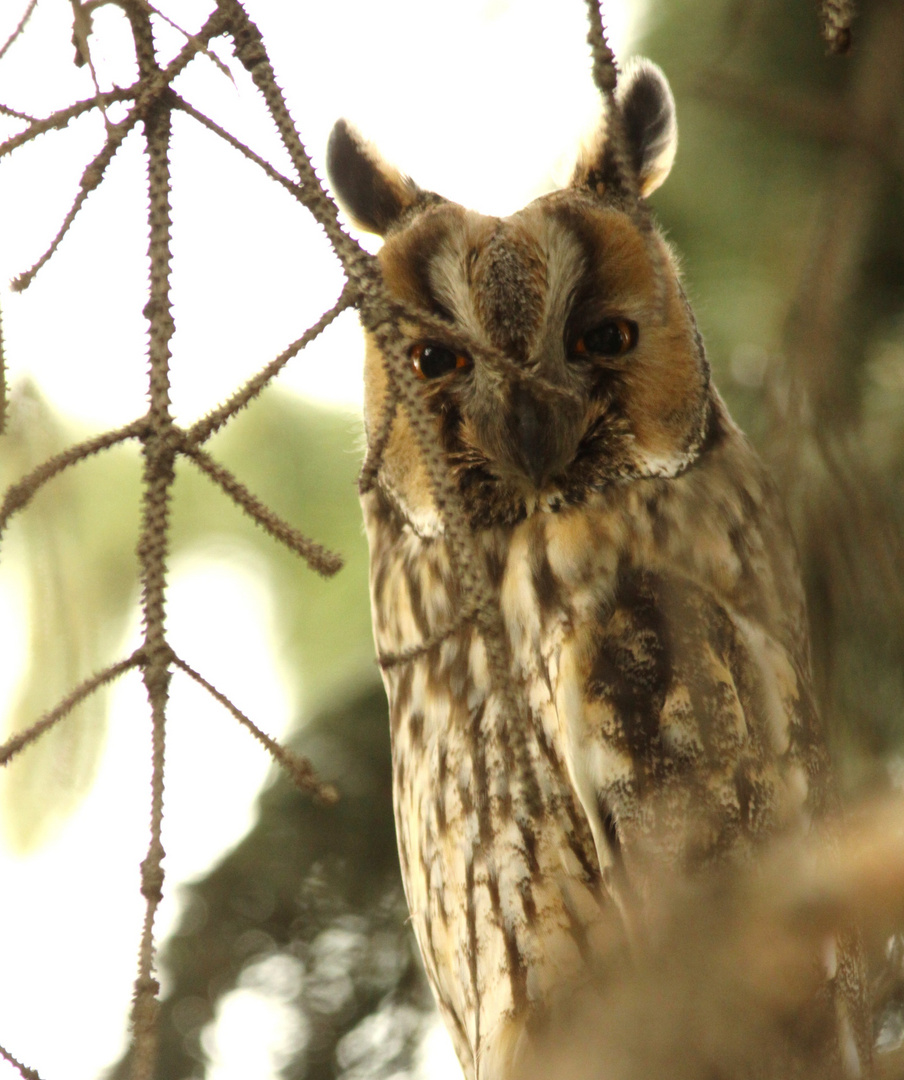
[(483, 100)]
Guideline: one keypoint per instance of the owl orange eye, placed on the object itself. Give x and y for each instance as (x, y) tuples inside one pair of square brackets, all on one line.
[(433, 361), (614, 337)]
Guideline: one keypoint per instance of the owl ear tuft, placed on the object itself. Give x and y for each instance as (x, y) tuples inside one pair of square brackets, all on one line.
[(651, 133), (372, 192), (651, 130)]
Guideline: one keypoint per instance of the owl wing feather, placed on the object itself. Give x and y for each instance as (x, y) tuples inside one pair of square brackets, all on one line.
[(694, 734)]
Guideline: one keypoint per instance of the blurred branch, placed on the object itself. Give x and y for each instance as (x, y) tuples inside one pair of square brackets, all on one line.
[(389, 660), (819, 311), (376, 444), (799, 113), (23, 22), (836, 17), (720, 985)]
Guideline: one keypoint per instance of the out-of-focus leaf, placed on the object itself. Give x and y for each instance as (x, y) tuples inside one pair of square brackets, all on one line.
[(72, 546)]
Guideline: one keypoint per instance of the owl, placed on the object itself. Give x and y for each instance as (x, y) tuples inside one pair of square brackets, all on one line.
[(645, 575)]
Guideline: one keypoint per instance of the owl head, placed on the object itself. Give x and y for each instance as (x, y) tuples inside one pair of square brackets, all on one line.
[(555, 348)]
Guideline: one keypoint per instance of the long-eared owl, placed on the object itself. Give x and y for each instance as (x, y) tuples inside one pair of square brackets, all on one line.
[(643, 568)]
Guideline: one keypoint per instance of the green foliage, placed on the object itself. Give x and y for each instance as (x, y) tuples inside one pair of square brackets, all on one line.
[(75, 549), (76, 545), (302, 461)]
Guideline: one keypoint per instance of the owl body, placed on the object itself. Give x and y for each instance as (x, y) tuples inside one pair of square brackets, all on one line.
[(637, 632), (646, 578)]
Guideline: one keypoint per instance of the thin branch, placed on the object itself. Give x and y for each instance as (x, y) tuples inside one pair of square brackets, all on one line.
[(208, 425), (406, 656), (91, 178), (84, 690), (28, 1073), (250, 50), (605, 76), (376, 444), (152, 85), (299, 769), (157, 479), (19, 495), (605, 68), (315, 555), (237, 144), (81, 34), (18, 31), (471, 571), (191, 38), (59, 120), (7, 111)]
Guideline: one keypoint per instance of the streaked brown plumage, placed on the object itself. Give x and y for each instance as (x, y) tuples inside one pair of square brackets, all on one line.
[(644, 570)]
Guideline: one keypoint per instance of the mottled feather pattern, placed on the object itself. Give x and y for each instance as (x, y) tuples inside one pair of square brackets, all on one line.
[(658, 689), (648, 588)]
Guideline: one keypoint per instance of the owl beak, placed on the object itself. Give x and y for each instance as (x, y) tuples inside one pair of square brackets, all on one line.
[(532, 431)]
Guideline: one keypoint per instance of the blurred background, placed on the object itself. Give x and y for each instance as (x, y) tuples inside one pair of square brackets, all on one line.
[(285, 951)]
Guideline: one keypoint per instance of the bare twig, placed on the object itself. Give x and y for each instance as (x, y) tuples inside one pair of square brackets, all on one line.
[(605, 68), (237, 144), (249, 48), (152, 85), (192, 39), (84, 690), (208, 425), (471, 573), (18, 495), (299, 769), (376, 444), (19, 28), (61, 119), (391, 660), (25, 1071), (16, 114), (627, 182), (91, 178), (158, 475), (82, 29), (315, 555)]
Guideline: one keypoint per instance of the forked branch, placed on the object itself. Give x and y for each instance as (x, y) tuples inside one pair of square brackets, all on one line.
[(151, 85)]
